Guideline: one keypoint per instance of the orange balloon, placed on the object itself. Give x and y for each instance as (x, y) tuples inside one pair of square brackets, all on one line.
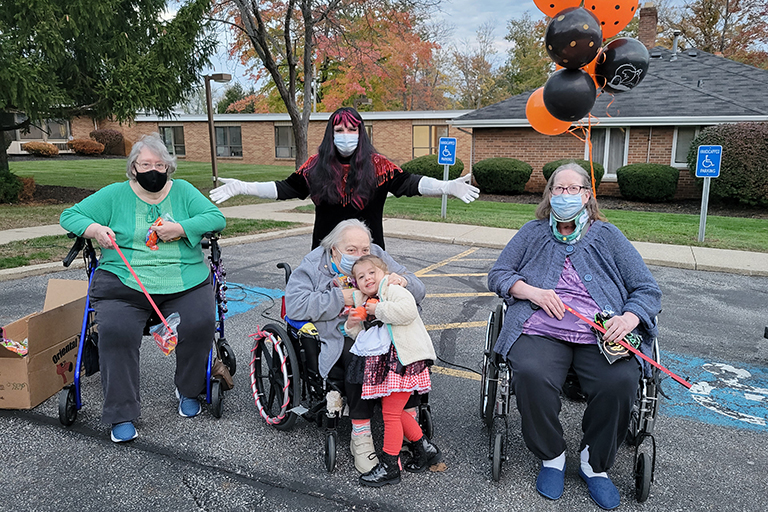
[(552, 7), (540, 118), (613, 15)]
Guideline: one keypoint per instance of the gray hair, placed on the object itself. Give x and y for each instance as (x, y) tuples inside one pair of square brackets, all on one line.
[(155, 144), (333, 239), (543, 209)]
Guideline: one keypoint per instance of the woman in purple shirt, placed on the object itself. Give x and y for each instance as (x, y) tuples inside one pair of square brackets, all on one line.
[(571, 255)]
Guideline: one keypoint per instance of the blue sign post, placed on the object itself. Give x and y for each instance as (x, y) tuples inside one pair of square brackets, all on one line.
[(446, 156), (707, 167)]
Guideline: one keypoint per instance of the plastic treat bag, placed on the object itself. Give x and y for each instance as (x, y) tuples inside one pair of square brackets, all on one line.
[(20, 347), (165, 333), (613, 351), (151, 239)]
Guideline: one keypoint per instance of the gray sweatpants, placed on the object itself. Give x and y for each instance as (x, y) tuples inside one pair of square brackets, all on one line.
[(121, 314), (539, 367)]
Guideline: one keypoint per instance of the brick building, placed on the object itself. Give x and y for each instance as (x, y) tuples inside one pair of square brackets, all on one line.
[(683, 92)]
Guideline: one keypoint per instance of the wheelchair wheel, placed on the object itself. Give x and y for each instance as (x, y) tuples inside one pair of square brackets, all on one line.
[(330, 450), (217, 399), (227, 356), (490, 373), (275, 380), (643, 476), (644, 411), (67, 406), (425, 421), (498, 450)]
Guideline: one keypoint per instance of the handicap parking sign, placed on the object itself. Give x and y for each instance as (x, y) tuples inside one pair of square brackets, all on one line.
[(446, 151), (708, 161)]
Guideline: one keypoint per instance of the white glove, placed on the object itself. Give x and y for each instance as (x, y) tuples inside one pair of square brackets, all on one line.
[(233, 187), (459, 187)]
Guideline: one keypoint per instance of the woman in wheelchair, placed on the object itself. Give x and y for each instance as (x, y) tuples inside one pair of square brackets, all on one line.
[(320, 290), (169, 261), (570, 254)]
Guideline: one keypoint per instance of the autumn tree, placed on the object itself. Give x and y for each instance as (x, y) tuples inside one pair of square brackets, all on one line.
[(100, 58), (528, 65), (478, 83)]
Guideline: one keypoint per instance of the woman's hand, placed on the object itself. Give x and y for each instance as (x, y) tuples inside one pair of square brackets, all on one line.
[(545, 299), (101, 234), (617, 327), (349, 296), (168, 231), (397, 279)]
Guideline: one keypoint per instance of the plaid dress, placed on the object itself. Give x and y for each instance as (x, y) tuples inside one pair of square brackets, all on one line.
[(385, 375)]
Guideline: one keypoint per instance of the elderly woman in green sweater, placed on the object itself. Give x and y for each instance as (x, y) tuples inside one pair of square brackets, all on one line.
[(173, 270)]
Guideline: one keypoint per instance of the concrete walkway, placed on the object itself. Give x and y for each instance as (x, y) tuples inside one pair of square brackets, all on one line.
[(679, 256)]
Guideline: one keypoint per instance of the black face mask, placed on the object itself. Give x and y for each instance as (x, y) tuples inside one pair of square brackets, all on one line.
[(152, 181)]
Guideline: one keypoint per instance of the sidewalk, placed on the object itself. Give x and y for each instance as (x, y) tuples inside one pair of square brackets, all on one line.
[(678, 256)]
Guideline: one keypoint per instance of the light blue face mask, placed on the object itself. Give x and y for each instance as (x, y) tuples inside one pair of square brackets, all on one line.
[(346, 143), (566, 207), (347, 260)]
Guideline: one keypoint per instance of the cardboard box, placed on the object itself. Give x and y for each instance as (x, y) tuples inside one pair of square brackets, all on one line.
[(53, 335)]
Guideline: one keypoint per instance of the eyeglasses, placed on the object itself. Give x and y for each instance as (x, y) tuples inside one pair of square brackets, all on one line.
[(571, 189), (145, 166)]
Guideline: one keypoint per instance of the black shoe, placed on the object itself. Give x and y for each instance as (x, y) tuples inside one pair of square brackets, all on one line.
[(425, 454), (387, 471)]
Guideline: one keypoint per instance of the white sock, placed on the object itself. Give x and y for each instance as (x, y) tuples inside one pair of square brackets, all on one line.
[(558, 462), (586, 468)]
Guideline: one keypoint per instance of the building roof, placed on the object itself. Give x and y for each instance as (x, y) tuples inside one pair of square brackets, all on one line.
[(416, 115), (693, 89)]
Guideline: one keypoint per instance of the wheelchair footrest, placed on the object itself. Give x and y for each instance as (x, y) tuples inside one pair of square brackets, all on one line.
[(299, 409)]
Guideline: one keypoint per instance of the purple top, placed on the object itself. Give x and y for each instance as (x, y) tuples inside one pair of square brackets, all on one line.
[(571, 290)]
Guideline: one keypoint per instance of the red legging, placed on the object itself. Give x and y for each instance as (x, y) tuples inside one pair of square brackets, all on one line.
[(397, 422)]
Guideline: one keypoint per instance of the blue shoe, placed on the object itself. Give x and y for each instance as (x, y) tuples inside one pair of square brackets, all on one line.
[(602, 491), (550, 482), (188, 407), (123, 432)]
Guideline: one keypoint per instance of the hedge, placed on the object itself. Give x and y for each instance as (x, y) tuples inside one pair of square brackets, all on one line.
[(427, 166), (501, 175), (550, 167), (40, 148), (112, 140), (86, 146), (10, 186), (652, 183)]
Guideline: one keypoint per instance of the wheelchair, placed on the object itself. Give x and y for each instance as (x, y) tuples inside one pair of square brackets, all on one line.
[(286, 382), (70, 398), (496, 394)]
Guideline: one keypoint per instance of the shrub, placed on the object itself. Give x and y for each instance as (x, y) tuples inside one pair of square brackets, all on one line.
[(501, 175), (112, 140), (40, 148), (10, 185), (27, 192), (653, 183), (86, 146), (552, 166), (743, 168), (427, 166)]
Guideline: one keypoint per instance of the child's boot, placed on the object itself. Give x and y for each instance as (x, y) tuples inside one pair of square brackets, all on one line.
[(386, 472), (425, 454)]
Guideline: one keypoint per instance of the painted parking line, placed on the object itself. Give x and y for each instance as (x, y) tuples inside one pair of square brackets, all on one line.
[(455, 373), (242, 298), (423, 272)]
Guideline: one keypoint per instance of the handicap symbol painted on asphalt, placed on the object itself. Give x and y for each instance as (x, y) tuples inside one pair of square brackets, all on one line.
[(723, 393), (242, 298)]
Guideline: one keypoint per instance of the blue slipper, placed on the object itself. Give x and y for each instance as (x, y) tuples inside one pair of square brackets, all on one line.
[(550, 482), (123, 432), (602, 491)]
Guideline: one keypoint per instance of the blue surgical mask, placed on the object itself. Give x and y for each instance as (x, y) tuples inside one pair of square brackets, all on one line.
[(347, 260), (346, 143), (566, 207)]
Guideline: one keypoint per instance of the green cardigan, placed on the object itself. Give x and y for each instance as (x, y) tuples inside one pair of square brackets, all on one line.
[(174, 266)]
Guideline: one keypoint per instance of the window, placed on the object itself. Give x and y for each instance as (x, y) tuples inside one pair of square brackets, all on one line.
[(609, 148), (285, 146), (52, 130), (369, 132), (426, 139), (173, 136), (228, 141), (684, 135)]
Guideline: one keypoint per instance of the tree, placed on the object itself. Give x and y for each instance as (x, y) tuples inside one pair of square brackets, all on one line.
[(232, 94), (528, 66), (281, 36), (194, 101), (737, 29), (478, 84), (101, 58)]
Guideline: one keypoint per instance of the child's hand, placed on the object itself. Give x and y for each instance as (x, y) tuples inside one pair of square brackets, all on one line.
[(357, 315), (370, 306)]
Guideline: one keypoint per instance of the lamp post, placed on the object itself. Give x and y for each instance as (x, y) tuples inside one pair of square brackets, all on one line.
[(221, 78)]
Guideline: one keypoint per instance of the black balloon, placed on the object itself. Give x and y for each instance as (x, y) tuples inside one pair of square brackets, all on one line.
[(573, 37), (569, 94), (622, 64)]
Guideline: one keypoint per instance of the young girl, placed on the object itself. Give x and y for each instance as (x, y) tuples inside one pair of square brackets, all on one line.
[(397, 349)]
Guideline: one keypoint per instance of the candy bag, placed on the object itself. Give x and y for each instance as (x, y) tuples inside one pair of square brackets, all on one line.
[(165, 335), (151, 239)]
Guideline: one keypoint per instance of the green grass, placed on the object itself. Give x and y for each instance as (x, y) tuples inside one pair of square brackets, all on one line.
[(53, 248)]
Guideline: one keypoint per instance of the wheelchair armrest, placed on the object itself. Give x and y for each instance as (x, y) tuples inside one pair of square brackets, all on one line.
[(75, 250), (287, 268)]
